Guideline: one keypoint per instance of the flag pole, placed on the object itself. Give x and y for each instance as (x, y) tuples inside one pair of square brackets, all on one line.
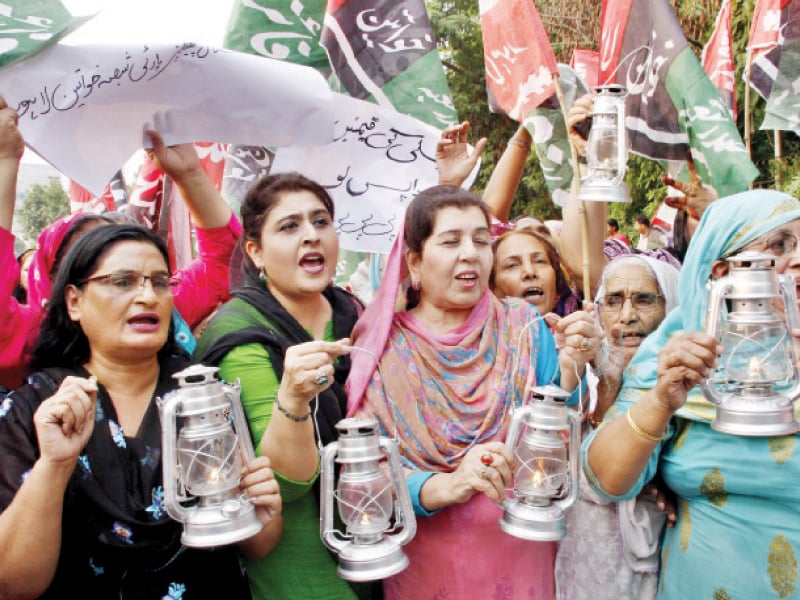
[(576, 184), (747, 118)]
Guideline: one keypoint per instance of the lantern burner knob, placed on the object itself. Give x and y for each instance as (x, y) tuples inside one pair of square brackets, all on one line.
[(357, 427), (752, 260), (196, 375), (551, 391)]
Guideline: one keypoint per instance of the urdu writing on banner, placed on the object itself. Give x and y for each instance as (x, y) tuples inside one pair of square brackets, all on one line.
[(84, 108), (379, 160)]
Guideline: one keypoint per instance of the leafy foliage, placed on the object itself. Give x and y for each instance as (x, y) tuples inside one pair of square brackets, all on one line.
[(43, 205), (457, 25), (576, 24)]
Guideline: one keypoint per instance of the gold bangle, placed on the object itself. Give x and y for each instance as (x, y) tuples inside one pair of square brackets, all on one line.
[(641, 432)]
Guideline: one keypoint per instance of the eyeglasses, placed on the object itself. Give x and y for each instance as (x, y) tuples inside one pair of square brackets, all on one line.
[(639, 300), (780, 243), (122, 283)]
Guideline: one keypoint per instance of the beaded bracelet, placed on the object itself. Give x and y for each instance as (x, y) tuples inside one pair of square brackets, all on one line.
[(289, 415), (641, 432)]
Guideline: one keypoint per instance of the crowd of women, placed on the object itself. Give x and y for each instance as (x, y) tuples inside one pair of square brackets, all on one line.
[(471, 314)]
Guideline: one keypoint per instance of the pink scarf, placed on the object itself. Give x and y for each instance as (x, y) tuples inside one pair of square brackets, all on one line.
[(444, 393), (372, 328), (47, 244)]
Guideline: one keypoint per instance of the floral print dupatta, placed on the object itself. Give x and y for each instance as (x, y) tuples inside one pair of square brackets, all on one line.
[(445, 393)]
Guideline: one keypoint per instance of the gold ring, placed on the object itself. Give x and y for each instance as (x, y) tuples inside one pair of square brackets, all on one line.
[(483, 473), (584, 345)]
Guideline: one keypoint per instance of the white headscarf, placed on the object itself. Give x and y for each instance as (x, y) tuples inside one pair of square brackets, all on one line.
[(666, 275)]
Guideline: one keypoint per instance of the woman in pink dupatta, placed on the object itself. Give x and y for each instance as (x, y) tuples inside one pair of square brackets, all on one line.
[(452, 362)]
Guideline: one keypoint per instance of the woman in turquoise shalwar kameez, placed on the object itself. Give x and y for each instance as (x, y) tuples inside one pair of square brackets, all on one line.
[(738, 529)]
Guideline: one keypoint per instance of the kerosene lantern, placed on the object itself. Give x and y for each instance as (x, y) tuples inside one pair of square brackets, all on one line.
[(544, 438), (606, 148), (756, 381), (205, 440), (375, 508)]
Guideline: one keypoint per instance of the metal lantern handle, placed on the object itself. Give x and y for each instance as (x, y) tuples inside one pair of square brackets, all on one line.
[(514, 428), (719, 289), (406, 512), (574, 428), (231, 391), (390, 447), (327, 530), (788, 291), (717, 294), (574, 421), (169, 410), (786, 285), (622, 143)]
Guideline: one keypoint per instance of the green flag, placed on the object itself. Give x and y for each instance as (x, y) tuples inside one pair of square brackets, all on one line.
[(549, 132), (28, 26), (287, 31)]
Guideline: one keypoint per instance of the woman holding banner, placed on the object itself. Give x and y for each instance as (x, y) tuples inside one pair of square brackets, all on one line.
[(205, 280)]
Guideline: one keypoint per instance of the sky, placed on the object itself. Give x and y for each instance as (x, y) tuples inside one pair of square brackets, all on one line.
[(144, 20), (121, 21)]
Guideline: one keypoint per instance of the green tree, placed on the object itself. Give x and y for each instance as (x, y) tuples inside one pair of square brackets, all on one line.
[(457, 26), (576, 24), (43, 205)]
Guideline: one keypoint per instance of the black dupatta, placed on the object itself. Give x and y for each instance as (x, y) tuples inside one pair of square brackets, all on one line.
[(286, 332)]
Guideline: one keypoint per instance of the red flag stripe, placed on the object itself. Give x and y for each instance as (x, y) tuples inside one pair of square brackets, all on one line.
[(586, 64), (765, 26), (614, 19), (717, 58), (520, 62)]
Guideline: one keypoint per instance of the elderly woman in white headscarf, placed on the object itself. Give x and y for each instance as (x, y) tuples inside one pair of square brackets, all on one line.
[(635, 293), (737, 533), (611, 549)]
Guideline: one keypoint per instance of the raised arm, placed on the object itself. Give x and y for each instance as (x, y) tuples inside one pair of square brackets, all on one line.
[(596, 214), (182, 165), (17, 322), (504, 181), (453, 158), (11, 149), (204, 282)]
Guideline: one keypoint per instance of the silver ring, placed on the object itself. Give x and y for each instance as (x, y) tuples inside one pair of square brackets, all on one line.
[(483, 473), (321, 379)]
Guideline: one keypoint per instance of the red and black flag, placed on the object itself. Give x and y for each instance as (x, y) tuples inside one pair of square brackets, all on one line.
[(672, 106), (769, 18), (385, 51), (776, 69), (717, 58), (114, 197)]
